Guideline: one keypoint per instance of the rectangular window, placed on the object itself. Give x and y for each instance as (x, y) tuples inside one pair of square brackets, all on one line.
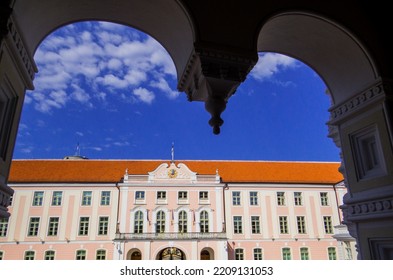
[(327, 222), (105, 198), (56, 198), (301, 224), (283, 224), (237, 224), (161, 195), (183, 195), (304, 254), (3, 227), (140, 195), (298, 198), (280, 198), (332, 253), (203, 195), (257, 254), (253, 198), (53, 226), (49, 255), (103, 226), (84, 226), (86, 198), (101, 254), (11, 199), (29, 255), (286, 254), (235, 198), (239, 254), (1, 255), (324, 198), (255, 225), (33, 226), (38, 198), (81, 255)]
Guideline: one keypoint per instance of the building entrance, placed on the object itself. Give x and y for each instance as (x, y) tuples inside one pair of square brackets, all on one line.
[(171, 253)]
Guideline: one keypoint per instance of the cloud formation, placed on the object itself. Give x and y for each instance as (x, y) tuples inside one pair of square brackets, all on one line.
[(87, 62)]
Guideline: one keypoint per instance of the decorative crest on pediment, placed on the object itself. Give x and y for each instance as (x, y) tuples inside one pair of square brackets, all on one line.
[(172, 172)]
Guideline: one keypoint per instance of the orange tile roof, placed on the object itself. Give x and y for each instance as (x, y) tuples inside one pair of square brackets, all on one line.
[(230, 171)]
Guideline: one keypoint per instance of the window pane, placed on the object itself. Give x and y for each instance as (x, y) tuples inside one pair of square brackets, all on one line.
[(298, 199), (84, 226), (138, 222), (286, 254), (103, 226), (86, 198), (239, 254), (204, 221), (253, 198), (332, 253), (280, 198), (56, 199), (105, 197), (53, 226), (101, 255), (283, 224), (33, 226), (3, 227), (81, 255), (29, 255), (49, 255), (257, 254), (304, 254), (38, 198), (255, 225), (237, 224), (235, 198)]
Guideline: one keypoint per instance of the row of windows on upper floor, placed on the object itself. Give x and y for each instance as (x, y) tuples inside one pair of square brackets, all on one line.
[(57, 198), (281, 198), (283, 222), (50, 255), (86, 200), (161, 222)]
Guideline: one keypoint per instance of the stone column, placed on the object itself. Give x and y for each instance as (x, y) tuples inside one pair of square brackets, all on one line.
[(213, 74), (17, 70), (364, 132)]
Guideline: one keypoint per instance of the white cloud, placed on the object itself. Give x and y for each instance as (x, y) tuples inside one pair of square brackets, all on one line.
[(163, 85), (144, 95), (270, 64), (79, 133), (103, 57)]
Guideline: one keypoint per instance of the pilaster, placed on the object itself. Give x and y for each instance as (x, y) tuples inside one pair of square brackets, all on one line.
[(212, 75)]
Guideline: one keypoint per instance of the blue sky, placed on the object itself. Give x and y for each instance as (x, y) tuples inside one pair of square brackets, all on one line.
[(112, 89)]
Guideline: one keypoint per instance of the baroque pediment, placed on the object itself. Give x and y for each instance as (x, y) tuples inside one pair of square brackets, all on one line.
[(172, 171)]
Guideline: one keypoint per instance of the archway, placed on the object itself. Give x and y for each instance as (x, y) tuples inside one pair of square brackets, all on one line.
[(171, 253), (134, 254), (362, 108), (207, 254)]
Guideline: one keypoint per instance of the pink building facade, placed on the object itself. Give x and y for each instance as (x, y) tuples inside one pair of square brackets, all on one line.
[(193, 210)]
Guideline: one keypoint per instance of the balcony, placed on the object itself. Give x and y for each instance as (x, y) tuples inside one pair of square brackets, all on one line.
[(170, 236)]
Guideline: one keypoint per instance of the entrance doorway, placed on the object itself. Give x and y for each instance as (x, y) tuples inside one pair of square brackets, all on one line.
[(171, 253)]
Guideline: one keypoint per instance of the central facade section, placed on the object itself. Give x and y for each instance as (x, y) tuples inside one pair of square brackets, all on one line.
[(171, 213)]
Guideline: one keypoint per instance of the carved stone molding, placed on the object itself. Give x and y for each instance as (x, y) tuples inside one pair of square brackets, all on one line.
[(212, 75), (373, 94), (374, 209), (22, 57)]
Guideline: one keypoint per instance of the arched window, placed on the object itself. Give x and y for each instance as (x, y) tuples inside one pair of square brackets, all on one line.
[(204, 221), (29, 255), (136, 256), (101, 254), (182, 221), (239, 254), (49, 255), (138, 222), (332, 253), (160, 224), (80, 255)]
